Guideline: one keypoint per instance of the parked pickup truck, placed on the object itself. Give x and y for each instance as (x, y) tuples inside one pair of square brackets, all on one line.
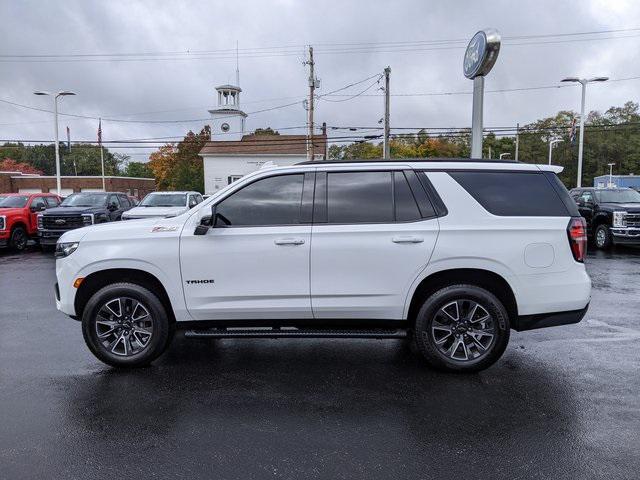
[(80, 210), (612, 215), (19, 217)]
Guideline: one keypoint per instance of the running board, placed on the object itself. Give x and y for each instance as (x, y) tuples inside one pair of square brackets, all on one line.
[(290, 332)]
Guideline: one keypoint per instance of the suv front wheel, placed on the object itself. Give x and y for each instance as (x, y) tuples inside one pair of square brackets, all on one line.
[(462, 328), (126, 325)]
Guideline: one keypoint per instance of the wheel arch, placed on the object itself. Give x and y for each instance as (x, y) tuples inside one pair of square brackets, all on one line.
[(486, 279), (101, 278)]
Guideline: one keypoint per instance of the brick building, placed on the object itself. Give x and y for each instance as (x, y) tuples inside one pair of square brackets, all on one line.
[(16, 182)]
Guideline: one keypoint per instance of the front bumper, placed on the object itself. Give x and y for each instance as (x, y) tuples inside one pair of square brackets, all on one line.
[(626, 235), (49, 237), (553, 319)]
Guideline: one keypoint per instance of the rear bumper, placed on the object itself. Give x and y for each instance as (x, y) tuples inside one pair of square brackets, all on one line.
[(543, 320)]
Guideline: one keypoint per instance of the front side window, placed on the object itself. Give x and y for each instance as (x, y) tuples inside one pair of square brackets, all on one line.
[(51, 202), (38, 202), (360, 197), (269, 201), (113, 200)]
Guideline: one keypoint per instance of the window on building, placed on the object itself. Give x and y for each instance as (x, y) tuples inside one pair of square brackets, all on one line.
[(233, 178)]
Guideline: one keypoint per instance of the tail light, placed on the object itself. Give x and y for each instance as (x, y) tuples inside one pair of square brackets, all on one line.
[(577, 232)]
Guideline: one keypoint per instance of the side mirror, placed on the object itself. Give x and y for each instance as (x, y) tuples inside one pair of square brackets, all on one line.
[(37, 208), (112, 207)]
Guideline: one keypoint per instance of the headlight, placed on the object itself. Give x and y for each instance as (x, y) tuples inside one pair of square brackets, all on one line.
[(619, 219), (87, 219), (40, 221), (66, 249), (3, 222)]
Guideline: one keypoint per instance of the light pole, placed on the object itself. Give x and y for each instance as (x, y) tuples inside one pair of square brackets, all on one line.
[(551, 144), (610, 174), (55, 129), (583, 82), (502, 155)]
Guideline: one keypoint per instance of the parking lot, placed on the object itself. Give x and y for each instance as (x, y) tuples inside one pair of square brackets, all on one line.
[(562, 403)]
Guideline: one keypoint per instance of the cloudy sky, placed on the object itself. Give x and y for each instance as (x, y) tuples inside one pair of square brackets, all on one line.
[(127, 60)]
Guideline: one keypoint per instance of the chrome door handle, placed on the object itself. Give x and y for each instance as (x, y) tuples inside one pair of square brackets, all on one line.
[(289, 241), (407, 239)]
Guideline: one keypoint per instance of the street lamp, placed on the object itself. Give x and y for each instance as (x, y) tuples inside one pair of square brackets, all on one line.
[(502, 155), (583, 82), (610, 174), (55, 129), (551, 144)]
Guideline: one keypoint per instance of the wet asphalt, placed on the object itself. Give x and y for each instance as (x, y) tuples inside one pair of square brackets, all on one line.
[(562, 402)]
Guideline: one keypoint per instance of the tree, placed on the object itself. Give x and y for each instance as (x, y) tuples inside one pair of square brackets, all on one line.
[(179, 166), (138, 169), (10, 165), (266, 131)]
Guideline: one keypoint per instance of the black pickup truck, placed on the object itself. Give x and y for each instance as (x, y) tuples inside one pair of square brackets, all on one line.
[(80, 210), (612, 215)]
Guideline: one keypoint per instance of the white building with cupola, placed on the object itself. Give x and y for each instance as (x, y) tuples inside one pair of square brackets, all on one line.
[(233, 153)]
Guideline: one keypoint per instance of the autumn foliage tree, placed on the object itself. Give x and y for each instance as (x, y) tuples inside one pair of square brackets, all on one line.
[(178, 166), (10, 165)]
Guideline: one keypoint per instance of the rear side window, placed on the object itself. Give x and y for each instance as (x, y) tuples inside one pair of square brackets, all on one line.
[(520, 194), (406, 206), (359, 197)]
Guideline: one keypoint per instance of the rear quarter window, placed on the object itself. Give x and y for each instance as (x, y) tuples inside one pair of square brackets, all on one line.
[(519, 194)]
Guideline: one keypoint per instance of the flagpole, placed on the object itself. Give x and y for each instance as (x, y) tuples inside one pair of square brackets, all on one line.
[(104, 187)]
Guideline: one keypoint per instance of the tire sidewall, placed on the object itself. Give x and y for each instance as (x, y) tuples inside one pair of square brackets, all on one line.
[(161, 328), (12, 242), (490, 302), (607, 237)]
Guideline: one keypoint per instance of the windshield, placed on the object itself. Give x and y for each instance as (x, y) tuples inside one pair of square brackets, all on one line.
[(164, 200), (618, 196), (13, 201), (85, 200)]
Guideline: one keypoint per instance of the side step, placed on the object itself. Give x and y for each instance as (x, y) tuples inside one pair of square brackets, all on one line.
[(290, 332)]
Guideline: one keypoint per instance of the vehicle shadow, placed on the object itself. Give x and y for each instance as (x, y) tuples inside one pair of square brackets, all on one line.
[(298, 405)]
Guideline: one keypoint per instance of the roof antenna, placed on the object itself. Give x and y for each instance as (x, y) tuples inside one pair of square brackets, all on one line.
[(237, 67)]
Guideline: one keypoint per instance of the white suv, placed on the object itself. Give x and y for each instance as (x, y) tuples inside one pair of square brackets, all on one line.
[(455, 252), (163, 204)]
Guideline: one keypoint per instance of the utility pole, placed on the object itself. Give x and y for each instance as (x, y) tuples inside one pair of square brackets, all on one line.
[(517, 140), (386, 154), (312, 88)]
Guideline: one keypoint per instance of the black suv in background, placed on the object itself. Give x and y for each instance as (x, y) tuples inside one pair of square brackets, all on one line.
[(612, 215), (80, 210)]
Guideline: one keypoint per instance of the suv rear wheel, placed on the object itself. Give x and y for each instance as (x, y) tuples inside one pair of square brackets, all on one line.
[(462, 328), (126, 325)]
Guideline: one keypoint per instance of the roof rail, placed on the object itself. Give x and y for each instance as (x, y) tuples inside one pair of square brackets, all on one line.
[(412, 160)]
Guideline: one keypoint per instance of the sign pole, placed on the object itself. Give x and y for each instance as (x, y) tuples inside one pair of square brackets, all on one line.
[(476, 117)]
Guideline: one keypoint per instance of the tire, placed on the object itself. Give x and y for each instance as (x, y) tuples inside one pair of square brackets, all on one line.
[(19, 238), (126, 325), (602, 237), (468, 344)]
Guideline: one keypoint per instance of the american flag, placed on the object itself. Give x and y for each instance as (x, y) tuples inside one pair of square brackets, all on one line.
[(572, 131), (99, 131)]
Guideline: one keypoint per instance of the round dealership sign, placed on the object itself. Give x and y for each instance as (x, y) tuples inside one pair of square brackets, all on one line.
[(481, 53)]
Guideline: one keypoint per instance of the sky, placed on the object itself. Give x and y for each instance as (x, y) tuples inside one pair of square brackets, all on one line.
[(127, 62)]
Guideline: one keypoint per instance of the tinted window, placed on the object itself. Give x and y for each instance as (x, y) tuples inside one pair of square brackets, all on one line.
[(38, 202), (513, 193), (51, 201), (124, 201), (270, 201), (359, 197), (406, 206), (113, 200)]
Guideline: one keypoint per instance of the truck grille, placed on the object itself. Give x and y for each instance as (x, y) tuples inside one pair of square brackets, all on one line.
[(54, 222), (633, 219)]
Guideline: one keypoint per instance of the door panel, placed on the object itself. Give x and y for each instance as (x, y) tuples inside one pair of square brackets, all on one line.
[(364, 271), (257, 273)]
